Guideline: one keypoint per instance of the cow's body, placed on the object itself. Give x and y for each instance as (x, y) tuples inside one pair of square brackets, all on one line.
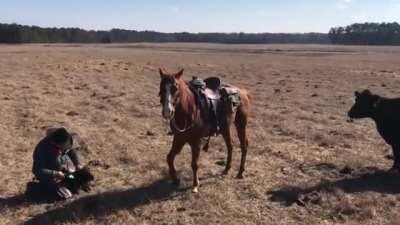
[(386, 114)]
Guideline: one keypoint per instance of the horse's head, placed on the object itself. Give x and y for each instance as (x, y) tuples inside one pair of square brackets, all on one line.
[(169, 92)]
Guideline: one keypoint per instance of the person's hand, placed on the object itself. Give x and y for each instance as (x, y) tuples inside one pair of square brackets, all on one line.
[(79, 167), (59, 175)]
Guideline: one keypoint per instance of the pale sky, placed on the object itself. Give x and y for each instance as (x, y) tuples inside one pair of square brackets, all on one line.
[(200, 15)]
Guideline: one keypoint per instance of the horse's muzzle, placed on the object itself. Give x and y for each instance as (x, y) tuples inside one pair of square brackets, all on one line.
[(167, 114)]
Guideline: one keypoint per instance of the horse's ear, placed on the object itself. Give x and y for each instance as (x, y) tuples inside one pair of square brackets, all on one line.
[(357, 94), (161, 71), (179, 74)]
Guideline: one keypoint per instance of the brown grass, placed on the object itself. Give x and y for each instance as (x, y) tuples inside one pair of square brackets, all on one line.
[(306, 164)]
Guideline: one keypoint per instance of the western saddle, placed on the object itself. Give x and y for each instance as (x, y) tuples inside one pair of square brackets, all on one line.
[(215, 100)]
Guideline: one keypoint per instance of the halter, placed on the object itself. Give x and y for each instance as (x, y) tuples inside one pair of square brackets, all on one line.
[(174, 126)]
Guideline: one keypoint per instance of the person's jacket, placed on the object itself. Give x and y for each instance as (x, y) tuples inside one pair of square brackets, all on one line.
[(48, 158)]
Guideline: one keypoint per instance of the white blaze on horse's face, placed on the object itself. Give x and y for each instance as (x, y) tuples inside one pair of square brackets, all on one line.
[(167, 105), (169, 93), (168, 108)]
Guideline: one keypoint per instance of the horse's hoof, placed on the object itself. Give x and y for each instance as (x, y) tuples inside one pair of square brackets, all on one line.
[(195, 190), (239, 176)]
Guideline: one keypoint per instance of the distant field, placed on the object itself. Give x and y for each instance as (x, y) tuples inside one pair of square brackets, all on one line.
[(306, 164)]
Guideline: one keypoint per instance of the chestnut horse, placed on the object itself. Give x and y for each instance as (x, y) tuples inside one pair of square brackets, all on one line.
[(180, 108)]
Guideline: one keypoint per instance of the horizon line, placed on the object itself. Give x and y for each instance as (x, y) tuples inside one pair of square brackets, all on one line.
[(174, 32)]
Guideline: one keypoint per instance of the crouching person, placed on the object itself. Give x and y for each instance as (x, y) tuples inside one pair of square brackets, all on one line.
[(57, 166)]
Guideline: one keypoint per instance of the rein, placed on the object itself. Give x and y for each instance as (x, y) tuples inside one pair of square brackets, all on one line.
[(186, 126), (178, 129)]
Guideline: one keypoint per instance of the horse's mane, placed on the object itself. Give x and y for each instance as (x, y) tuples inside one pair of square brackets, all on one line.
[(187, 99)]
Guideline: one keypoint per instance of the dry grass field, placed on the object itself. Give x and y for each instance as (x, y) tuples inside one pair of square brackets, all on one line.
[(306, 163)]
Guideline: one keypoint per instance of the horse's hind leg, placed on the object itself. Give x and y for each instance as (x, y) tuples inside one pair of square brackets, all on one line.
[(226, 134), (176, 148), (195, 164), (241, 123)]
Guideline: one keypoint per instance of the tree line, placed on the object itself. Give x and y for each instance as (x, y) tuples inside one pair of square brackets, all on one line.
[(355, 34), (15, 33), (366, 34)]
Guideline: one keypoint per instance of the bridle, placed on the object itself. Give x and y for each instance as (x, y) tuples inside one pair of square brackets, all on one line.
[(175, 127)]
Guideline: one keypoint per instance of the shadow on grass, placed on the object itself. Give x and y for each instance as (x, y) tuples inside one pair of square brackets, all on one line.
[(13, 202), (23, 200), (104, 203), (375, 180)]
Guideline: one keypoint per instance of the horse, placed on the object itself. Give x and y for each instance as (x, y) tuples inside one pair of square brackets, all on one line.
[(179, 107)]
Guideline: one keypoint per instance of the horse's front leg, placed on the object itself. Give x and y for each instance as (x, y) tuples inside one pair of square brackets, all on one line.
[(195, 164), (176, 148)]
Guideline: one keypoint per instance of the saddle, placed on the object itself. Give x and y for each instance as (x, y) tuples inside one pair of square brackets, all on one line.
[(215, 100)]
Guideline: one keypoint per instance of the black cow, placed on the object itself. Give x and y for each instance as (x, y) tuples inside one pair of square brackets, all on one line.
[(386, 114)]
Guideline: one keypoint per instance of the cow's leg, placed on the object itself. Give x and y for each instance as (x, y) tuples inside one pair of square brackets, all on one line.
[(176, 148), (195, 164)]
